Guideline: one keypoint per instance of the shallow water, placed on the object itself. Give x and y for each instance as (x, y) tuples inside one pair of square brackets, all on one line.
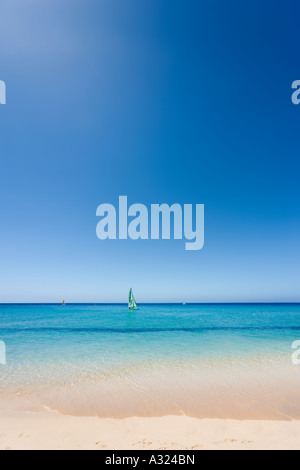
[(202, 360)]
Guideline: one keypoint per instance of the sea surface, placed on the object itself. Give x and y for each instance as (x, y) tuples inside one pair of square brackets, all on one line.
[(206, 360)]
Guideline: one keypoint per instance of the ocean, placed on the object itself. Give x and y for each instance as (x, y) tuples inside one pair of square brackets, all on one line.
[(206, 360)]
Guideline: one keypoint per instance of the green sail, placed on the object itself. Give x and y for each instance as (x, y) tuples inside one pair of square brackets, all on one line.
[(131, 301)]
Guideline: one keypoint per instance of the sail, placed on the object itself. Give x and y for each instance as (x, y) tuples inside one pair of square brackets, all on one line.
[(131, 301)]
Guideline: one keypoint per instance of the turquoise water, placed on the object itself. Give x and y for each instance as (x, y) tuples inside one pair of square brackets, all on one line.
[(104, 360)]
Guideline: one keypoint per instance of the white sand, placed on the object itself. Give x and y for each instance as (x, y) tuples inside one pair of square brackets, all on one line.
[(20, 430)]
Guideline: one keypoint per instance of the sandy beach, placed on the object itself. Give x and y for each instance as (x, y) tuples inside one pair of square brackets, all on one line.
[(92, 377), (50, 431)]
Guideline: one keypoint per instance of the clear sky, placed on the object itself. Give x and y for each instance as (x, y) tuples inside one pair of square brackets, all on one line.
[(162, 101)]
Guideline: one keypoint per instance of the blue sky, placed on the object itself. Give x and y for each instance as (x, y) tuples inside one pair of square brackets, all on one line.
[(186, 102)]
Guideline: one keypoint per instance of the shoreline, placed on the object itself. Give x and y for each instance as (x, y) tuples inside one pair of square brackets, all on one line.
[(54, 431), (250, 390)]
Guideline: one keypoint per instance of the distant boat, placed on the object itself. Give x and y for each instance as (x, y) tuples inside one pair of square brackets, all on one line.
[(63, 302), (131, 302)]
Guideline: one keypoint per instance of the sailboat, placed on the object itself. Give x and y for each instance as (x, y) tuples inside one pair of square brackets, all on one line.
[(131, 301), (63, 303)]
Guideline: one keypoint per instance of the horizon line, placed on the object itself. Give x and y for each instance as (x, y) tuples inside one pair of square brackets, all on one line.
[(157, 303)]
